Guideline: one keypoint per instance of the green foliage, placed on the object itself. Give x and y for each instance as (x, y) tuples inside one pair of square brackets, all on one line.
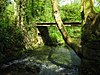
[(97, 7), (74, 31), (10, 12), (11, 41), (55, 35), (11, 38), (98, 1), (42, 11), (6, 16), (70, 12)]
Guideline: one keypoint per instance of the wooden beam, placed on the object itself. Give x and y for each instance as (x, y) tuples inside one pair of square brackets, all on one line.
[(54, 24)]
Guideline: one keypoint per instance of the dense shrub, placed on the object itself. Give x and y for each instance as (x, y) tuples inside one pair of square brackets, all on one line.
[(11, 42)]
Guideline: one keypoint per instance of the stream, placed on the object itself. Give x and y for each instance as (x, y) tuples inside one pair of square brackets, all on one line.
[(49, 61)]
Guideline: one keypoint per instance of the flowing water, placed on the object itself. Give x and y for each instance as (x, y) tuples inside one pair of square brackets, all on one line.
[(57, 61)]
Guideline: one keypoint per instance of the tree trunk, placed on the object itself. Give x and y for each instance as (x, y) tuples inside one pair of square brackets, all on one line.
[(90, 64), (62, 30), (22, 21)]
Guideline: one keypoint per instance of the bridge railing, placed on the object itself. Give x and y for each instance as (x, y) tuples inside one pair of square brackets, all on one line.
[(54, 24)]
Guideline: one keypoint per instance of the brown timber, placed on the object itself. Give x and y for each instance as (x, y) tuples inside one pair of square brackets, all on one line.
[(54, 24)]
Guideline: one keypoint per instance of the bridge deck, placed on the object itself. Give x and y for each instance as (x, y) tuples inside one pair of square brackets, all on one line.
[(54, 24)]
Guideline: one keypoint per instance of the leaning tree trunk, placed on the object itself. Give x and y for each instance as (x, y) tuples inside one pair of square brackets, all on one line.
[(62, 30), (90, 64)]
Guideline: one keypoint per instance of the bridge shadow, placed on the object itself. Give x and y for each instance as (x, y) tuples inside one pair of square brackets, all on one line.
[(44, 33)]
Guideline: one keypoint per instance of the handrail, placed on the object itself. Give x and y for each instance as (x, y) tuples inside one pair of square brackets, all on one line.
[(54, 24)]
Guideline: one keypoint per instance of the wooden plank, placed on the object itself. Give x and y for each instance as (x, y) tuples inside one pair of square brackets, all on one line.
[(54, 24)]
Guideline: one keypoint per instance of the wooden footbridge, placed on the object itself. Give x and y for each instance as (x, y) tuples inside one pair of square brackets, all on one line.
[(54, 24), (44, 32)]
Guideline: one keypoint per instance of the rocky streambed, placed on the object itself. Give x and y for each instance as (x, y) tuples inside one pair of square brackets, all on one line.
[(44, 61)]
